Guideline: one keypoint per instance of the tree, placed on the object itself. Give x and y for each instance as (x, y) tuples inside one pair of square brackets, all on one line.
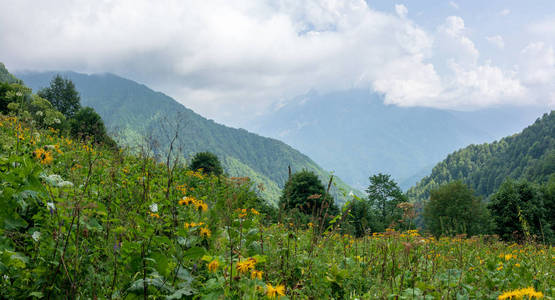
[(305, 192), (454, 209), (383, 196), (208, 162), (63, 96), (519, 211), (87, 124)]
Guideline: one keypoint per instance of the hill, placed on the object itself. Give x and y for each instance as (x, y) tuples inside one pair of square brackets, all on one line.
[(6, 76), (134, 111), (529, 155), (355, 134)]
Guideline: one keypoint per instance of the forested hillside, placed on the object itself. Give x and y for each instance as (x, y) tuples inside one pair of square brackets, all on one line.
[(6, 76), (134, 111), (529, 155)]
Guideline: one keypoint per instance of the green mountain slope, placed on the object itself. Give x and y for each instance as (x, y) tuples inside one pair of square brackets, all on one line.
[(133, 111), (529, 155), (6, 76)]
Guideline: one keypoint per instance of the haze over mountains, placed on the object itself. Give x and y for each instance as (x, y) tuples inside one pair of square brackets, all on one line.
[(356, 135)]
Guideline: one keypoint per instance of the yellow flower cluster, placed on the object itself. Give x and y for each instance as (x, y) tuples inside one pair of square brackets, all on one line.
[(205, 232), (182, 188), (213, 265), (246, 265), (520, 293), (272, 292), (243, 212), (197, 174), (44, 156), (193, 224), (155, 215), (199, 204)]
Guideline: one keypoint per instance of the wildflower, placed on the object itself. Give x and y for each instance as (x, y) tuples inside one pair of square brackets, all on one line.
[(36, 236), (243, 266), (187, 200), (205, 232), (520, 293), (201, 205), (153, 207), (45, 157), (256, 274), (517, 265), (155, 215), (213, 265), (254, 211), (272, 292), (500, 268)]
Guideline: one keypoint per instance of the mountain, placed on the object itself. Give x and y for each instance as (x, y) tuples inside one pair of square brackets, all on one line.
[(133, 111), (6, 76), (356, 135), (529, 155)]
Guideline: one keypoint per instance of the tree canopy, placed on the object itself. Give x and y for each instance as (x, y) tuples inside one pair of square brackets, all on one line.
[(207, 162), (63, 95), (304, 191), (454, 209), (384, 195)]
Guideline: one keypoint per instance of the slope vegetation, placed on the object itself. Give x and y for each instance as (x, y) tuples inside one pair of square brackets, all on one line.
[(529, 155), (134, 111)]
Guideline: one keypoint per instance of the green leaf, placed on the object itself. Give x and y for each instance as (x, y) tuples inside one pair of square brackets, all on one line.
[(194, 253)]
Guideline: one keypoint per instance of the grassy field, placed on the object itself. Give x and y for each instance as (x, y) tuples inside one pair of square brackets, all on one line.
[(84, 222)]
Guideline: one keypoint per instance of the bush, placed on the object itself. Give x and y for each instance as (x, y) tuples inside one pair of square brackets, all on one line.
[(88, 125), (454, 209), (208, 162)]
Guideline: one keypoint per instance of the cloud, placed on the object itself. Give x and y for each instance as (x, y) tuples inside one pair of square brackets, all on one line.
[(401, 10), (238, 58), (497, 41), (504, 12), (454, 4)]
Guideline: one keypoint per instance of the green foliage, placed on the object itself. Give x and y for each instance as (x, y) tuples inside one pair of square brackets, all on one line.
[(384, 196), (63, 96), (208, 162), (7, 77), (529, 155), (305, 192), (87, 124), (522, 211), (454, 209), (94, 223)]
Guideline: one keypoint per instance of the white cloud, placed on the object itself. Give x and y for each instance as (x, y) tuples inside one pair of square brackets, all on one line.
[(454, 4), (538, 64), (401, 10), (497, 41), (225, 58), (505, 12)]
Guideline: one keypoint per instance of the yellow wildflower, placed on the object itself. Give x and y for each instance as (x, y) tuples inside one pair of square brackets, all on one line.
[(254, 211), (205, 232), (520, 293), (155, 215), (256, 274), (242, 266), (45, 157), (272, 292), (213, 265)]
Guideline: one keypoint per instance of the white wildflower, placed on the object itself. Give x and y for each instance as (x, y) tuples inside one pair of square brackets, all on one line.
[(153, 207), (36, 236), (57, 121), (51, 205), (39, 113)]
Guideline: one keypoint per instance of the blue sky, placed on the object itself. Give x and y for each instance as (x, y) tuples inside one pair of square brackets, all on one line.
[(228, 57)]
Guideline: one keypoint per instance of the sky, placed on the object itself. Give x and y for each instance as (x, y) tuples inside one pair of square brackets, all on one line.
[(233, 60)]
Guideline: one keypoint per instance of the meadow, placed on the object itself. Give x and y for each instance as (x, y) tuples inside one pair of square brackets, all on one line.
[(81, 221)]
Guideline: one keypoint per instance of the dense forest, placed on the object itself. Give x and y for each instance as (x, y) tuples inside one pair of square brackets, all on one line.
[(135, 112), (529, 155)]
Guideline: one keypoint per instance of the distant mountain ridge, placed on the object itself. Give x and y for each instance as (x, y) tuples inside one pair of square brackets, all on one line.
[(529, 155), (356, 135), (136, 110)]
